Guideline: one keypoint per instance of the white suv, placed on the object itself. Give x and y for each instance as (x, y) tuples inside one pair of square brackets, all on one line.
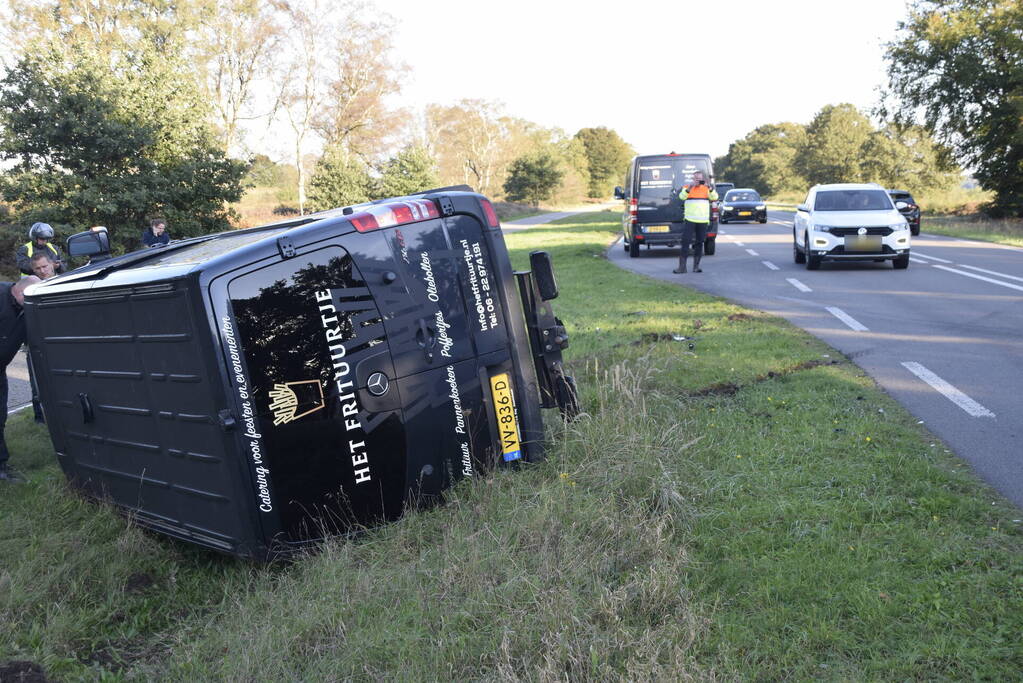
[(849, 222)]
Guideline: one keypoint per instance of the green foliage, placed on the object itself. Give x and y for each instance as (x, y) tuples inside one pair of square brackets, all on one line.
[(764, 159), (339, 180), (533, 177), (95, 146), (412, 170), (958, 64), (833, 149), (607, 156), (897, 156)]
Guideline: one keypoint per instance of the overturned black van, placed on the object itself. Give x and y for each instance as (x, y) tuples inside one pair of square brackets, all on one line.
[(257, 390)]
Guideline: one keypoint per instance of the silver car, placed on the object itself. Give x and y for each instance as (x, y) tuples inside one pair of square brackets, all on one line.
[(849, 222)]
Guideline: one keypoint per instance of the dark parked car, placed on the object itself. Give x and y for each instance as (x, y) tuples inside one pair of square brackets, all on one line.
[(723, 188), (257, 390), (908, 207), (653, 211), (743, 205)]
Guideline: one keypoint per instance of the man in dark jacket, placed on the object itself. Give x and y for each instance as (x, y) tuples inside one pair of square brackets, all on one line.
[(156, 235), (12, 336)]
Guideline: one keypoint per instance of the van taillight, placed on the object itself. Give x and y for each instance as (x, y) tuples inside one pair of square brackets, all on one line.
[(395, 213), (633, 210), (491, 215)]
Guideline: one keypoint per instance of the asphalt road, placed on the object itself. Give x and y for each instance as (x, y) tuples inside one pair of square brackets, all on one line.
[(19, 393), (943, 337)]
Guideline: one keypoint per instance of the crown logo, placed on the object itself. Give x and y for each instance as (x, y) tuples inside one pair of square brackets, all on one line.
[(286, 403)]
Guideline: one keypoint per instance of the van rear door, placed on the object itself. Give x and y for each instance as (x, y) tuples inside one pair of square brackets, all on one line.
[(657, 184)]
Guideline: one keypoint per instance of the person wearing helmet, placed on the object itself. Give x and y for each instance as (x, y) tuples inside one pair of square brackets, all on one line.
[(696, 219), (39, 236)]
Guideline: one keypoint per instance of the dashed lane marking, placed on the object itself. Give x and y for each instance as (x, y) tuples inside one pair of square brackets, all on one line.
[(981, 277), (917, 260), (770, 265), (852, 322), (992, 272), (797, 284), (752, 253), (948, 391), (931, 258)]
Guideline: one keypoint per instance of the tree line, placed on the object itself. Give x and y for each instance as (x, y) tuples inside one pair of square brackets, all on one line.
[(840, 144)]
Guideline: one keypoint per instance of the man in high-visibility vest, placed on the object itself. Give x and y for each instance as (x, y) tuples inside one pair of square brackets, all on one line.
[(696, 220), (39, 236)]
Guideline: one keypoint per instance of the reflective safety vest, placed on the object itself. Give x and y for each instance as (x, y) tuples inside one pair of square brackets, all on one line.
[(697, 203)]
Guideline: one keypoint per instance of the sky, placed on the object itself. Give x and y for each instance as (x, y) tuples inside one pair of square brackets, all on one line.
[(667, 76)]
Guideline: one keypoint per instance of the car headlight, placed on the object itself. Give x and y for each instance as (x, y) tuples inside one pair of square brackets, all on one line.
[(726, 207), (820, 228), (761, 207), (899, 226)]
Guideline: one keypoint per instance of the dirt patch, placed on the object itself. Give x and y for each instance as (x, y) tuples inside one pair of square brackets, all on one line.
[(22, 672), (730, 388), (651, 337), (736, 317), (139, 582), (720, 389)]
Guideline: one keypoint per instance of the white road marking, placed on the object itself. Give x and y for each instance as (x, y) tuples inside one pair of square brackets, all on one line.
[(721, 232), (931, 258), (852, 322), (781, 223), (916, 260), (981, 277), (770, 265), (949, 391), (797, 284), (992, 272), (752, 253)]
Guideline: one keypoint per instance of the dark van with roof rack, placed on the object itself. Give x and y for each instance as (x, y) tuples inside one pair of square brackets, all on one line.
[(653, 211), (258, 390)]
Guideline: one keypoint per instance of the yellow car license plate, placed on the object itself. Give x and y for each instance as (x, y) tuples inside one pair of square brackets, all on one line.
[(745, 213), (658, 228), (507, 425)]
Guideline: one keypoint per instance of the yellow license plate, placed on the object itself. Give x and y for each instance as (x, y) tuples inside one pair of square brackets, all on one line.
[(507, 425), (658, 228), (745, 213)]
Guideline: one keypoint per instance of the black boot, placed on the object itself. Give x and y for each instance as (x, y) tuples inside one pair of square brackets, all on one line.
[(681, 267), (696, 265)]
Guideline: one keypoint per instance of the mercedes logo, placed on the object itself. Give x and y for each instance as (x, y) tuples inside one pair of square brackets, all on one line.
[(377, 384), (862, 231)]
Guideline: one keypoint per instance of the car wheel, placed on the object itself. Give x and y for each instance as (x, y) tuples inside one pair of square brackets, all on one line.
[(797, 256), (709, 245), (763, 220), (633, 249), (914, 231), (901, 262), (723, 221), (813, 261)]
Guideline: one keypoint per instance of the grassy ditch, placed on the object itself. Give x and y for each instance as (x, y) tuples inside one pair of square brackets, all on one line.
[(750, 507), (1002, 231)]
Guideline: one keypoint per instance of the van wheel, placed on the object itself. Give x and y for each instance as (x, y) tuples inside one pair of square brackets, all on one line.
[(901, 262), (633, 249), (813, 261), (709, 245), (797, 256), (914, 231)]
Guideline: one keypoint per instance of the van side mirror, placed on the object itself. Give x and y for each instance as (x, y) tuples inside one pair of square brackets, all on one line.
[(543, 274), (619, 193), (803, 207), (92, 243), (901, 205)]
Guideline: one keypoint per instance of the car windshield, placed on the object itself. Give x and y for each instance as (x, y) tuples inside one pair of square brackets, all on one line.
[(902, 197), (742, 196), (852, 200)]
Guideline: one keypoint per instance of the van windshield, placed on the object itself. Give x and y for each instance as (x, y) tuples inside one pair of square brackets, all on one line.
[(659, 177)]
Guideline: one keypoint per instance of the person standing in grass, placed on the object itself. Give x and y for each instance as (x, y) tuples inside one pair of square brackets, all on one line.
[(696, 220), (156, 234), (12, 336)]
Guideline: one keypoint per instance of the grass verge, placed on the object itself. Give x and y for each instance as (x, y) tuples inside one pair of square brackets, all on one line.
[(1002, 231), (751, 507)]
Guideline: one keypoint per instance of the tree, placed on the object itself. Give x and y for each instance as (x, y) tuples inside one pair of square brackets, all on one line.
[(96, 146), (608, 157), (833, 149), (533, 177), (340, 179), (764, 159), (412, 170), (467, 138), (908, 157), (958, 66)]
